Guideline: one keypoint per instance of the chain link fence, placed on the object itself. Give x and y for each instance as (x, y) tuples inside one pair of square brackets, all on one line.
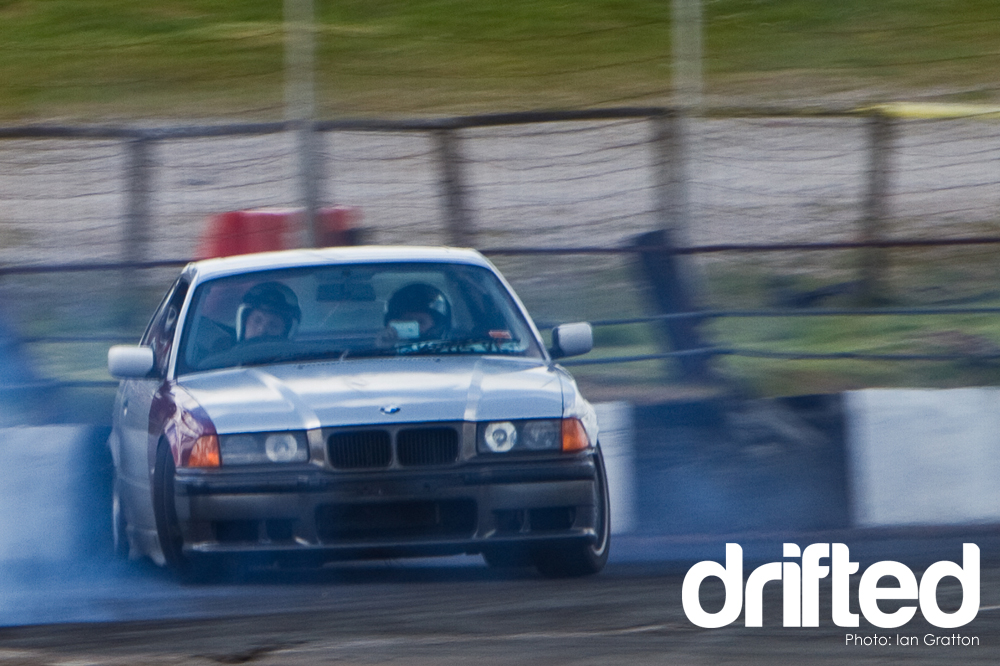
[(587, 178)]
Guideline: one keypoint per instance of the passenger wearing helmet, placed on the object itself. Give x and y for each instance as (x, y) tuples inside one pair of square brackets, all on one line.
[(417, 311), (268, 310)]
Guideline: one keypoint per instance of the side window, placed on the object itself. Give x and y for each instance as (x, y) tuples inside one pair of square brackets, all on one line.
[(160, 334)]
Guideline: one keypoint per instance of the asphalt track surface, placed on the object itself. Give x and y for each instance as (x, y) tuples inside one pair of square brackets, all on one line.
[(456, 611)]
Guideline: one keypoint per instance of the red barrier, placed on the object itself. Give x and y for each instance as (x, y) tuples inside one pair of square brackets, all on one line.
[(267, 229), (338, 225)]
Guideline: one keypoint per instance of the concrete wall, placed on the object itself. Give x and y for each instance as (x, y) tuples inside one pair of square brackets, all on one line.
[(714, 467), (924, 457), (875, 458)]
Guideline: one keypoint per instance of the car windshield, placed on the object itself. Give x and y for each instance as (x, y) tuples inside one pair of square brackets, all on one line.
[(344, 312)]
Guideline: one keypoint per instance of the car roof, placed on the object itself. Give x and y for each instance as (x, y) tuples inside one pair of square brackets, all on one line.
[(207, 269)]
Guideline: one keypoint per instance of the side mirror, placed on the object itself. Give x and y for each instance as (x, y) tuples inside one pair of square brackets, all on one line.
[(129, 362), (572, 340)]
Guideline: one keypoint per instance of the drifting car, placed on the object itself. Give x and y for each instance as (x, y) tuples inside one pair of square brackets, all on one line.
[(305, 406)]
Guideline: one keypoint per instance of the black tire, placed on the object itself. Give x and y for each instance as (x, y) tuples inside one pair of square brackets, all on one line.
[(582, 559), (168, 530)]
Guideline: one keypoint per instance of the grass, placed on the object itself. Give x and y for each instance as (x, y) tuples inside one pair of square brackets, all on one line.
[(112, 59), (944, 277), (897, 334), (925, 278)]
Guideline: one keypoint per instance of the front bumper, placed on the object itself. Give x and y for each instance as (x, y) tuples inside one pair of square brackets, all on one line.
[(468, 508)]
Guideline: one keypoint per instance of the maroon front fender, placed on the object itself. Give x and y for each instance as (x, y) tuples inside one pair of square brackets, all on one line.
[(178, 418)]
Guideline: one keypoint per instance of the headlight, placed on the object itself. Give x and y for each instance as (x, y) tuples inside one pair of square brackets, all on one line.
[(533, 435), (283, 447), (500, 437), (258, 448), (540, 435)]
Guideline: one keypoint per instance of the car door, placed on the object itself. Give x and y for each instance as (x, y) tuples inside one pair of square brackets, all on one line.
[(135, 400)]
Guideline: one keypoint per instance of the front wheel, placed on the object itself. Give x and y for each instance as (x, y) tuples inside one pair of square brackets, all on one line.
[(586, 558), (168, 530)]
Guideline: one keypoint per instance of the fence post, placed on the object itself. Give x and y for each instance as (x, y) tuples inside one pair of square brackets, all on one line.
[(138, 218), (457, 213), (311, 178), (670, 173), (671, 295), (881, 134), (672, 277)]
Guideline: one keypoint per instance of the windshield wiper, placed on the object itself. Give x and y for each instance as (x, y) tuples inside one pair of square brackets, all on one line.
[(463, 346), (428, 347), (297, 357)]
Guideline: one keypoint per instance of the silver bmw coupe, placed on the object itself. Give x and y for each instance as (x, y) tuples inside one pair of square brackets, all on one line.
[(294, 408)]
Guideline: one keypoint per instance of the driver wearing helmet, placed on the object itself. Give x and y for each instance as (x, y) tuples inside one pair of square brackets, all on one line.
[(268, 310), (415, 312)]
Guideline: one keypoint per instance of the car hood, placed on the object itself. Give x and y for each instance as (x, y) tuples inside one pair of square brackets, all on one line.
[(372, 391)]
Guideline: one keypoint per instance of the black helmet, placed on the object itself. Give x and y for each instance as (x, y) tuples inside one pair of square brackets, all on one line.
[(421, 297), (272, 297)]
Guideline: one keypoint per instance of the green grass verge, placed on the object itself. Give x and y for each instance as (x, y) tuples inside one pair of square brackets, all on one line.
[(101, 59), (925, 278)]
